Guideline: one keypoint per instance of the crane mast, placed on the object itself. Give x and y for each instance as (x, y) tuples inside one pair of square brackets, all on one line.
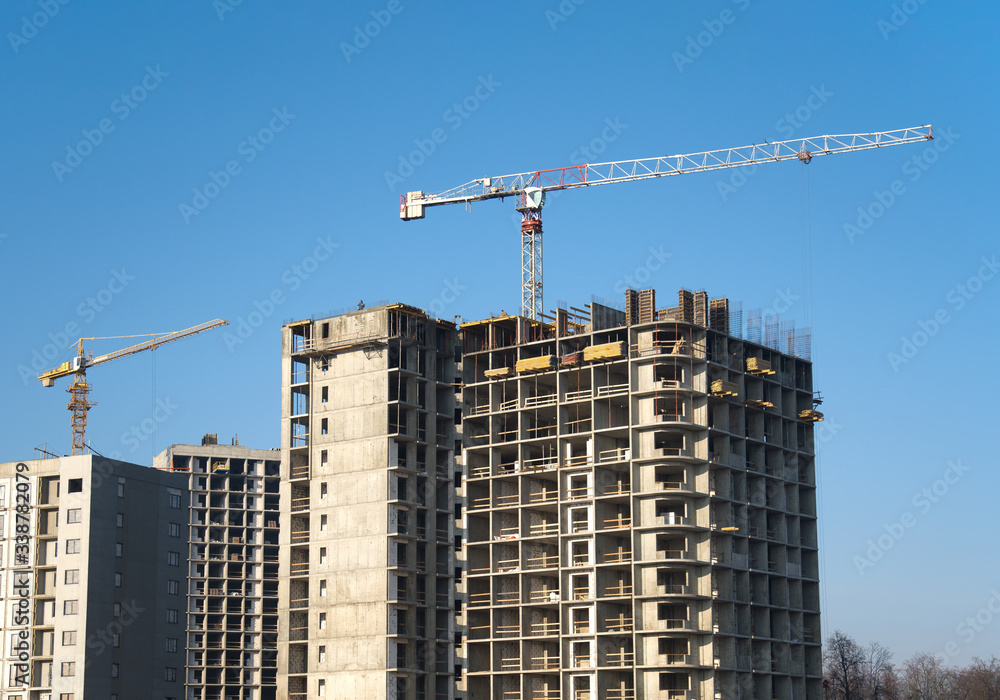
[(80, 403), (530, 187)]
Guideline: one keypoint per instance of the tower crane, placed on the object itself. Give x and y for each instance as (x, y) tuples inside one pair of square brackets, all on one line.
[(79, 404), (529, 188)]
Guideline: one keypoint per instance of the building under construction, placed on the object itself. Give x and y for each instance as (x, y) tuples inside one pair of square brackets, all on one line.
[(368, 566), (232, 577), (640, 507)]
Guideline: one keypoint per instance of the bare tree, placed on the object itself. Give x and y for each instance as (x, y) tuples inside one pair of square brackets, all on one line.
[(843, 662), (978, 681), (879, 674), (925, 677)]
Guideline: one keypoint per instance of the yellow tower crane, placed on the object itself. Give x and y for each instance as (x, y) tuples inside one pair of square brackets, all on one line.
[(79, 404)]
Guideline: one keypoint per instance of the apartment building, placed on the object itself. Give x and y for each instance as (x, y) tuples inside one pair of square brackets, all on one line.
[(640, 508), (232, 577), (93, 555), (367, 556)]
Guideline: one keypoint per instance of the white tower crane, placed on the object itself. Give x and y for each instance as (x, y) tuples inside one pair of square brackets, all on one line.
[(530, 187)]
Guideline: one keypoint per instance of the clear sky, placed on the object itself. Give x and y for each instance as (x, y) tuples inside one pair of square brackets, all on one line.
[(168, 163)]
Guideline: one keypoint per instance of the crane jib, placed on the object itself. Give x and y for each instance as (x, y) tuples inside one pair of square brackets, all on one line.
[(412, 205)]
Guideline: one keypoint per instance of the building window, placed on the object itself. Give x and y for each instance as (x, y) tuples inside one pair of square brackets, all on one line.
[(74, 515), (117, 610), (172, 587), (71, 607), (322, 490), (322, 654), (116, 640), (69, 638), (72, 546), (322, 621), (118, 580), (325, 394), (173, 558), (321, 688), (175, 500), (324, 426), (322, 588), (114, 670), (120, 520), (72, 576), (121, 487), (172, 616), (322, 523), (322, 555), (75, 486), (173, 529), (170, 674), (171, 645), (62, 696), (68, 669), (119, 549), (322, 458)]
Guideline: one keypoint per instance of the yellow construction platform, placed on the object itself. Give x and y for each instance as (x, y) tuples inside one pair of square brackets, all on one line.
[(607, 351), (536, 364)]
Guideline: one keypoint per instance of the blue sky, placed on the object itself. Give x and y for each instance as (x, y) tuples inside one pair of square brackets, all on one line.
[(169, 163)]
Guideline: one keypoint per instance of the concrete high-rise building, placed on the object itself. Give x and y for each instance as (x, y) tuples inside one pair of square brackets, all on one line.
[(368, 567), (640, 507), (232, 577), (92, 581)]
